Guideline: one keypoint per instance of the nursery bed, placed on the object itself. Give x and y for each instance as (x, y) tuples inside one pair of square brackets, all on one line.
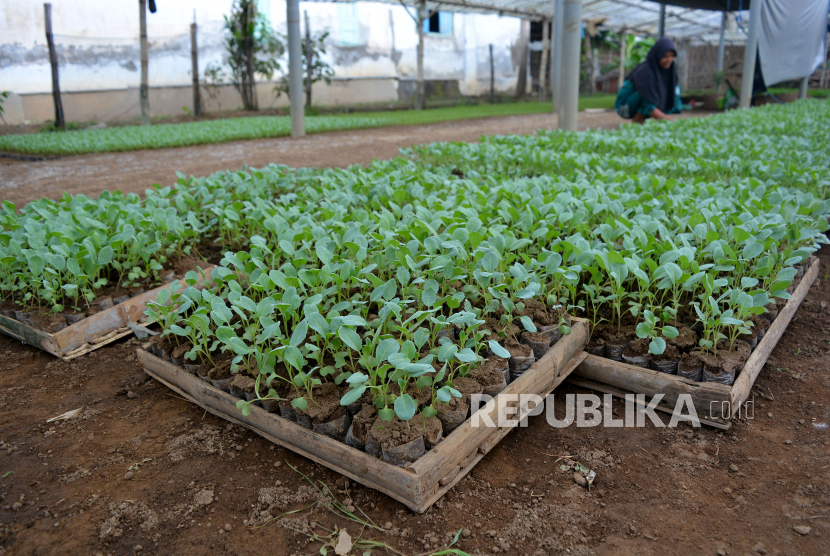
[(91, 333), (419, 484), (718, 403)]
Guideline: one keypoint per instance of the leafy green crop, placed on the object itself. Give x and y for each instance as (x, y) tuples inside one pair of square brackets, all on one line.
[(397, 280)]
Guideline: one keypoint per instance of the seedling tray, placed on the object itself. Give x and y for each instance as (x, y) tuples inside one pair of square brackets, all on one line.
[(91, 333), (716, 404), (418, 485)]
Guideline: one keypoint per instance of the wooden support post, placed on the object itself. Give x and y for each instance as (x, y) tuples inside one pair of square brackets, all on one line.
[(420, 101), (194, 57), (622, 59), (543, 69), (60, 123), (144, 90), (492, 77), (309, 56)]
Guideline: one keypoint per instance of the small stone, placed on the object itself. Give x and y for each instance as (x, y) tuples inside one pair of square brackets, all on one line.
[(802, 529), (138, 548), (204, 497), (721, 552), (16, 506), (131, 395), (759, 548), (387, 525), (769, 415), (477, 525), (277, 463), (227, 527), (632, 529), (580, 479), (733, 467), (128, 475), (727, 490), (788, 442), (466, 533), (801, 421)]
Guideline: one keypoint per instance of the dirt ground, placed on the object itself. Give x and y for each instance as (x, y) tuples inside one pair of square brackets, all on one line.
[(141, 471), (24, 181)]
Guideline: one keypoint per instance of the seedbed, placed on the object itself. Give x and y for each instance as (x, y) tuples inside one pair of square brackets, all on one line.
[(718, 403), (93, 331), (419, 484)]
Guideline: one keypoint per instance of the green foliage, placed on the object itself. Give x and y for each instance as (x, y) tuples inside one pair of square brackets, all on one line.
[(162, 136), (398, 278), (252, 48), (320, 69)]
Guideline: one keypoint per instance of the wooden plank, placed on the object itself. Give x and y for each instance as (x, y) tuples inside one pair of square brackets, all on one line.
[(718, 402), (84, 332), (399, 483), (28, 335), (485, 447), (621, 393), (541, 378), (705, 395), (88, 333), (752, 368)]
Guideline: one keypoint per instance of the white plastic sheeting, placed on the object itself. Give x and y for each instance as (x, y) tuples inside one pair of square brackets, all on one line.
[(791, 42), (636, 16)]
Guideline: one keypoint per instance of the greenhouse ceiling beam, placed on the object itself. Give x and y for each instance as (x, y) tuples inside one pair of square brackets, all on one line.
[(493, 8)]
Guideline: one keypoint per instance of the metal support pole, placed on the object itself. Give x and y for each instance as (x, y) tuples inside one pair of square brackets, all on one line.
[(420, 101), (571, 42), (194, 58), (492, 77), (295, 69), (543, 69), (661, 28), (802, 90), (144, 90), (60, 123), (750, 54), (622, 59), (556, 45)]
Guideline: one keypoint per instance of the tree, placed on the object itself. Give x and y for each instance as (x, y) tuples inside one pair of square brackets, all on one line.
[(252, 47), (319, 69)]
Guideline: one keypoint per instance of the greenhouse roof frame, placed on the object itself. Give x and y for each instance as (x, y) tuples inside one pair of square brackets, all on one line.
[(685, 19)]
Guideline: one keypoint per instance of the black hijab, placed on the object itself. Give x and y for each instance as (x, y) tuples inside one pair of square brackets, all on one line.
[(655, 84)]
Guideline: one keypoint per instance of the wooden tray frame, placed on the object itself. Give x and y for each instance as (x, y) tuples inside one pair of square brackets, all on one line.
[(718, 402), (418, 485), (91, 333)]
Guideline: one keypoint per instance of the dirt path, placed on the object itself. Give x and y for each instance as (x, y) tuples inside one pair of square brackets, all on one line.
[(142, 471), (21, 182)]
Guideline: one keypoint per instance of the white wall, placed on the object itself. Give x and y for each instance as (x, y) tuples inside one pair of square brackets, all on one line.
[(98, 47)]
